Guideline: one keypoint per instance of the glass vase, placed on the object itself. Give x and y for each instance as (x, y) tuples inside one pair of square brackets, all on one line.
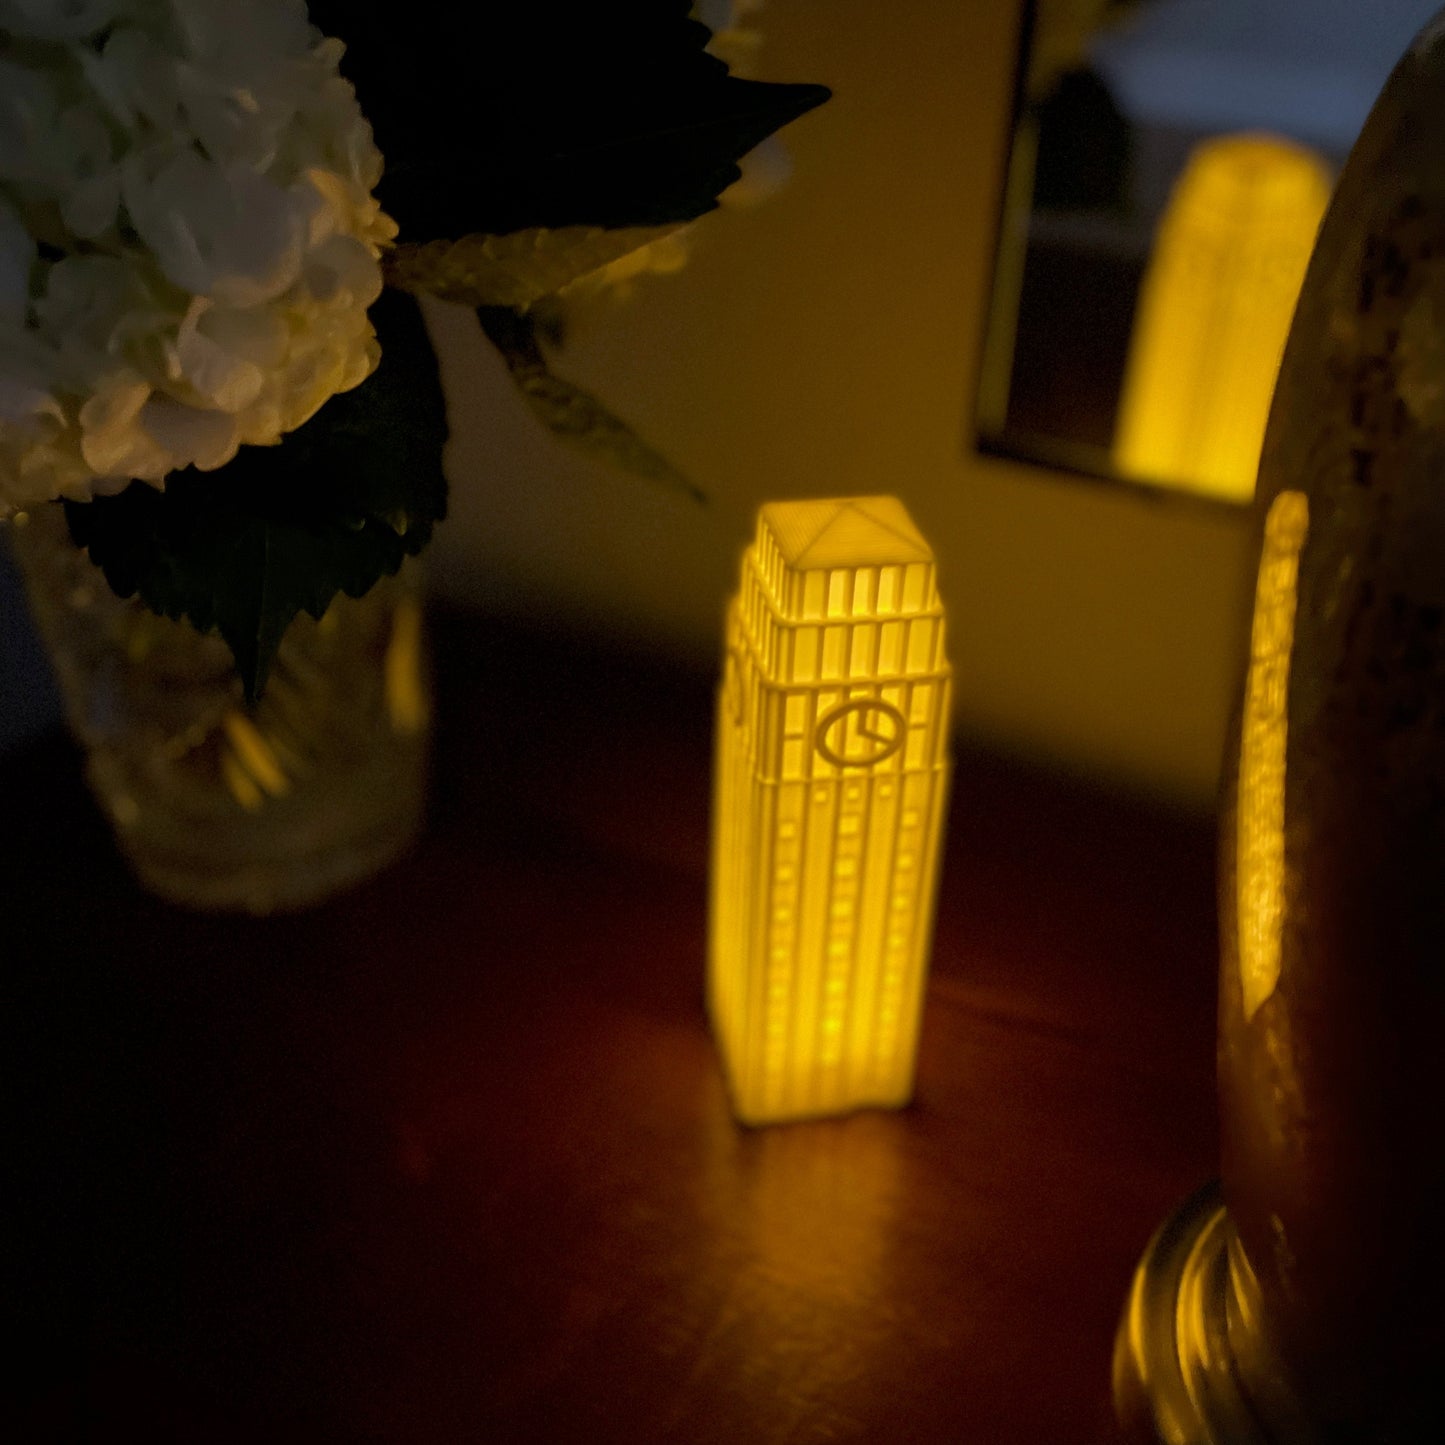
[(216, 804)]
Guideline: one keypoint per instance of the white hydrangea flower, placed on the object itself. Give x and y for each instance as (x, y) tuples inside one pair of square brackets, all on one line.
[(188, 239), (57, 19)]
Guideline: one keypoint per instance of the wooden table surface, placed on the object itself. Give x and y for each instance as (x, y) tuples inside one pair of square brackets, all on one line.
[(450, 1159)]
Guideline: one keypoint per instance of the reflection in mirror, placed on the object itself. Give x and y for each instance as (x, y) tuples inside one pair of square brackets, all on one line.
[(1214, 309), (1169, 166)]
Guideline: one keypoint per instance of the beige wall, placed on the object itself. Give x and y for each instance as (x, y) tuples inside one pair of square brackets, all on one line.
[(826, 343)]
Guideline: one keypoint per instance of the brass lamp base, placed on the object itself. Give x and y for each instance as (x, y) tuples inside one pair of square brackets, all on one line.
[(1189, 1365)]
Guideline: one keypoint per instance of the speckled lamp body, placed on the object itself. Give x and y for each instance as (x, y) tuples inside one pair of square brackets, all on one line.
[(1309, 1301)]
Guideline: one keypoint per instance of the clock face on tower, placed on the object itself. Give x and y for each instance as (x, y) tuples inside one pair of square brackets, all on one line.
[(860, 734)]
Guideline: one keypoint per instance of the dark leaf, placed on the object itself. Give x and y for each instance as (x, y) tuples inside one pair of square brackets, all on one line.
[(572, 415), (496, 119), (281, 530)]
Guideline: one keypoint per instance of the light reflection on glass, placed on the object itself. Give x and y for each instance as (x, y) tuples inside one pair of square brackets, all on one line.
[(1263, 738)]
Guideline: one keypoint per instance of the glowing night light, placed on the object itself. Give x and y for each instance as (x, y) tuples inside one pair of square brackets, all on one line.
[(830, 789), (1214, 310)]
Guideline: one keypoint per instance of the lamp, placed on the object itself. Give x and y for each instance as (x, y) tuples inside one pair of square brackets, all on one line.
[(830, 784), (1213, 312)]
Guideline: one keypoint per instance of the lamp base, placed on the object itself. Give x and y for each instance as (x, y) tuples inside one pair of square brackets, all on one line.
[(1190, 1367)]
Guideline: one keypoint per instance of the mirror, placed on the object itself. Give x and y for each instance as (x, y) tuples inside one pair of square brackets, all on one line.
[(1169, 165)]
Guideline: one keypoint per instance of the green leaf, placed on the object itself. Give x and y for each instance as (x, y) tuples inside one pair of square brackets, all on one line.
[(572, 415), (339, 503), (553, 113), (516, 270)]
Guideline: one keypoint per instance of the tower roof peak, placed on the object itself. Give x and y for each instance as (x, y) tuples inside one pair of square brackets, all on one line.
[(844, 532)]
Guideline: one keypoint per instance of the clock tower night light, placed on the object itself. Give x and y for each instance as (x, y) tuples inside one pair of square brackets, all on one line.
[(831, 780)]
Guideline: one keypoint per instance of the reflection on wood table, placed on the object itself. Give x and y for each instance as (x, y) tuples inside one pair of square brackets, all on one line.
[(450, 1158)]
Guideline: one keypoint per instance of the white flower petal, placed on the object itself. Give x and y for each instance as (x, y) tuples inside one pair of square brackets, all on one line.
[(27, 113), (57, 19), (204, 439), (108, 440), (227, 382), (343, 267), (22, 402), (256, 334), (90, 209), (150, 466)]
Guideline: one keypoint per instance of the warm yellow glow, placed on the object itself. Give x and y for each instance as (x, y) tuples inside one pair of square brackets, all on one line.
[(1214, 311), (407, 702), (1259, 848), (831, 779), (250, 764)]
